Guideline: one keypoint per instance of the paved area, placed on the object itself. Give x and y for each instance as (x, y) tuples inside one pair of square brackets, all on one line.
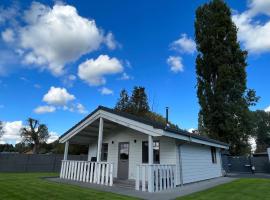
[(248, 175), (165, 195)]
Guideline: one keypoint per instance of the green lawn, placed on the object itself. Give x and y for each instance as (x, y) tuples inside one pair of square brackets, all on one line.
[(241, 189), (21, 186)]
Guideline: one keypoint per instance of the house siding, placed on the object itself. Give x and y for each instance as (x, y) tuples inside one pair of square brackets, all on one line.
[(168, 150), (197, 163)]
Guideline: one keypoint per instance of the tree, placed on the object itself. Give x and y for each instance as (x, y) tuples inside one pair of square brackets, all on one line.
[(1, 129), (138, 105), (34, 133), (123, 103), (139, 101), (221, 78), (261, 130)]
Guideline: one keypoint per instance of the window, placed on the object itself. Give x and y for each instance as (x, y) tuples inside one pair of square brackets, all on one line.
[(214, 155), (123, 151), (104, 152), (156, 151)]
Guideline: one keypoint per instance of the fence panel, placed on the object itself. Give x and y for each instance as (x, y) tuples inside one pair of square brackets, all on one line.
[(242, 164), (34, 162)]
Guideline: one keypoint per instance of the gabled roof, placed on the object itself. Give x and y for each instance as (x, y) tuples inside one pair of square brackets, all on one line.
[(146, 121)]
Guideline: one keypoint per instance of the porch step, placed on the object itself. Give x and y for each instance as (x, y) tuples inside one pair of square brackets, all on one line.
[(129, 184)]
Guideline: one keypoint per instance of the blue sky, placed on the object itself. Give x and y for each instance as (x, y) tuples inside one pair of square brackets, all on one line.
[(59, 60)]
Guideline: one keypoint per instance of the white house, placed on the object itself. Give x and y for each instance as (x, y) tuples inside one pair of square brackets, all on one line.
[(119, 149)]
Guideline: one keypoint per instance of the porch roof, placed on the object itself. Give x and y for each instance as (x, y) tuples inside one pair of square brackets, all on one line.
[(145, 125)]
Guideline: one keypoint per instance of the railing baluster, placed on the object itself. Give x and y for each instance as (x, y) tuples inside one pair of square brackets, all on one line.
[(91, 172), (111, 174), (143, 178), (75, 170), (84, 171), (107, 174), (137, 187), (88, 172)]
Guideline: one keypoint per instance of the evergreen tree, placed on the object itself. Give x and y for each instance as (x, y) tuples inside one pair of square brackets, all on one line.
[(123, 102), (261, 130), (221, 78), (1, 129), (139, 101)]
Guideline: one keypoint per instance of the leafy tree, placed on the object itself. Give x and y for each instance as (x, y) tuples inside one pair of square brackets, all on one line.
[(22, 147), (1, 129), (139, 101), (221, 78), (34, 133), (261, 130), (123, 103), (7, 148)]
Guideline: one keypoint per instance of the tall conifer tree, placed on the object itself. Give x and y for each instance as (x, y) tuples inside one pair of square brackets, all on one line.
[(221, 78)]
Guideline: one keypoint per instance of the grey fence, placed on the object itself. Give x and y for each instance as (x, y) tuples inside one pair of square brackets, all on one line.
[(242, 164), (34, 162)]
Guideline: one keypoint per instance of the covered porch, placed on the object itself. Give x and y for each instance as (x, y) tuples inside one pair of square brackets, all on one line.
[(110, 158)]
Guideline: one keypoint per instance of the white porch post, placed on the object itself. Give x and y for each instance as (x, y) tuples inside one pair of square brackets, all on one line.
[(100, 138), (66, 150), (150, 150), (150, 162), (89, 151)]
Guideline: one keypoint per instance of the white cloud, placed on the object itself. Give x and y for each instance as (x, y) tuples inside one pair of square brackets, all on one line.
[(93, 71), (106, 91), (175, 63), (81, 109), (252, 32), (44, 109), (125, 76), (191, 130), (11, 132), (69, 80), (8, 35), (53, 136), (58, 96), (252, 142), (8, 13), (51, 37), (57, 36), (37, 86), (267, 109), (184, 45), (110, 41)]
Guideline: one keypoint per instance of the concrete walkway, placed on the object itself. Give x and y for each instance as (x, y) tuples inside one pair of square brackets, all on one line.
[(165, 195)]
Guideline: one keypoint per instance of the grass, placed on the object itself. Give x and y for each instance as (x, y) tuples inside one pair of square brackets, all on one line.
[(241, 189), (22, 186)]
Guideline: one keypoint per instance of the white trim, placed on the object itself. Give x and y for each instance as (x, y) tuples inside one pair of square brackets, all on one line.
[(194, 140), (150, 150), (77, 129), (66, 150), (141, 127), (135, 125), (100, 138)]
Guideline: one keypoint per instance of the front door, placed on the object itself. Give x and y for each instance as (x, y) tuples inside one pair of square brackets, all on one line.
[(123, 157)]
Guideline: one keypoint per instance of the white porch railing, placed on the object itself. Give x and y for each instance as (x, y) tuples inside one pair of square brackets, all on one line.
[(86, 171), (155, 177)]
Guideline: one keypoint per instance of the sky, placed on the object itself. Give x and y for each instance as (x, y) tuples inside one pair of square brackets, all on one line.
[(59, 60)]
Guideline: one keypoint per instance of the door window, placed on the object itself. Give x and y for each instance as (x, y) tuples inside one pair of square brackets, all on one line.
[(123, 151)]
